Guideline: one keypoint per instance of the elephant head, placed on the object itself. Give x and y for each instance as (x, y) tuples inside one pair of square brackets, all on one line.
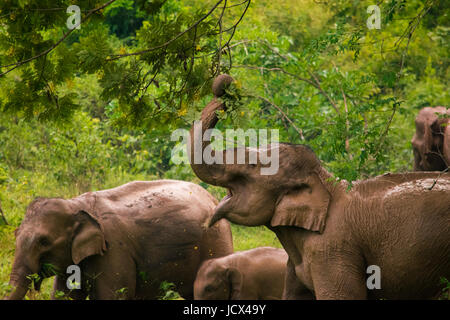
[(216, 281), (54, 234), (431, 142), (298, 194)]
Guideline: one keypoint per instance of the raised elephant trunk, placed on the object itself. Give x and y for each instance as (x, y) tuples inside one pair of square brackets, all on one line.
[(210, 173)]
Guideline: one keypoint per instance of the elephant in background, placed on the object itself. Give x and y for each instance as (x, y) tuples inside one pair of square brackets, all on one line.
[(431, 142), (256, 274), (126, 240), (332, 233)]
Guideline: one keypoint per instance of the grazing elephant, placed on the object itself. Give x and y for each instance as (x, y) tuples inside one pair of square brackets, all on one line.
[(332, 233), (256, 274), (126, 240), (431, 142)]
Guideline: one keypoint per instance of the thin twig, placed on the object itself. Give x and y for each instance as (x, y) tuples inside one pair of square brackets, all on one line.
[(383, 136), (219, 53), (277, 52), (191, 65), (144, 90), (319, 87), (315, 83), (435, 181), (239, 43), (410, 29), (347, 125), (300, 132), (165, 44), (347, 140), (277, 69), (234, 27), (237, 4)]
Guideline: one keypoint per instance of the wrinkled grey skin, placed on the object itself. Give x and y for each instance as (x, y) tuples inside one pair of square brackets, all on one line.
[(256, 274), (134, 236), (431, 142), (399, 222)]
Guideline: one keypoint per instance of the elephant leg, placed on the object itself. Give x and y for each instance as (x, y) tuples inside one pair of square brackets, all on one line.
[(60, 285), (339, 280), (294, 289), (246, 296), (112, 278)]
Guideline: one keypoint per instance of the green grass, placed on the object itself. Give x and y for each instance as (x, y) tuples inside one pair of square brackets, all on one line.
[(245, 238)]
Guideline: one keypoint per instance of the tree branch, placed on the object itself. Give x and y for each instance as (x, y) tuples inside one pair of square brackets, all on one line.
[(44, 53), (319, 87), (300, 132), (315, 83), (435, 181), (347, 140), (277, 69), (383, 135), (165, 44)]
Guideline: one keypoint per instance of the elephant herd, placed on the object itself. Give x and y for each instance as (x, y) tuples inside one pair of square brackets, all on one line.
[(126, 241)]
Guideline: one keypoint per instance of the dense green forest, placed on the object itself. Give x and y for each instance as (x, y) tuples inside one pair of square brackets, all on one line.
[(91, 108)]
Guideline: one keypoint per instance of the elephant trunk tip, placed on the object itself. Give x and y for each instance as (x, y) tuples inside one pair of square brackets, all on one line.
[(220, 83)]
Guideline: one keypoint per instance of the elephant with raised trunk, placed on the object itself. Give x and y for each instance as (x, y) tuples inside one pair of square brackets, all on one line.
[(431, 142), (332, 233), (256, 274), (126, 240)]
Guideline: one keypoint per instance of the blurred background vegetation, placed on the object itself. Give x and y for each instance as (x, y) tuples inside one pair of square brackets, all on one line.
[(98, 109)]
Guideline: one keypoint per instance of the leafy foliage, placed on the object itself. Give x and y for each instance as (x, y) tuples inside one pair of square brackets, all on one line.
[(170, 50), (168, 291), (445, 290)]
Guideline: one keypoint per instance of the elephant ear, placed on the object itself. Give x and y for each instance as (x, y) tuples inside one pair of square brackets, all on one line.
[(446, 148), (235, 279), (88, 238), (305, 206), (441, 137)]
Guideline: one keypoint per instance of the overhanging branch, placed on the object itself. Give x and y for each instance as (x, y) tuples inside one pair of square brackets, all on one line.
[(44, 53)]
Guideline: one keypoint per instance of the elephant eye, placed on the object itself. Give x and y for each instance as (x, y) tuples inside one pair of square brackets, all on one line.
[(44, 242)]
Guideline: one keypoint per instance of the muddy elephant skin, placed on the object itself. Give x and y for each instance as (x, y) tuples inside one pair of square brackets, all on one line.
[(256, 274), (333, 232), (126, 240)]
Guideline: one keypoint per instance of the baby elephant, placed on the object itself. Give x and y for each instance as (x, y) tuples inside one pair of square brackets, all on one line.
[(256, 274)]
